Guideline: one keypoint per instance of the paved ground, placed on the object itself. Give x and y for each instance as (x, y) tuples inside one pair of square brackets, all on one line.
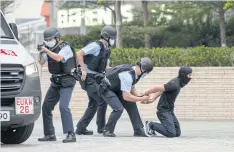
[(198, 136)]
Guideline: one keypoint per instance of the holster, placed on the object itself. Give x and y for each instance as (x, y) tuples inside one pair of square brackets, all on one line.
[(63, 81), (82, 84), (104, 85), (55, 79), (76, 73), (99, 77)]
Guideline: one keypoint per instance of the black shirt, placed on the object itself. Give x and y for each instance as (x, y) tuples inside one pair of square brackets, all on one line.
[(168, 97)]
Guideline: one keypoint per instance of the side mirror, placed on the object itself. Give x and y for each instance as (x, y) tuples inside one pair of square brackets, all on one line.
[(14, 28)]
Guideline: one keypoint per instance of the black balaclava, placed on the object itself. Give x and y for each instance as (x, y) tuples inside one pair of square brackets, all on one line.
[(183, 72)]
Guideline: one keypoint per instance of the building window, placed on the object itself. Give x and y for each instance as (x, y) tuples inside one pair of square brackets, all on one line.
[(95, 20)]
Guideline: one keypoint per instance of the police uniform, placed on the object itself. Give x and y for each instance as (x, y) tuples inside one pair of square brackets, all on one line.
[(61, 88), (122, 78), (96, 60)]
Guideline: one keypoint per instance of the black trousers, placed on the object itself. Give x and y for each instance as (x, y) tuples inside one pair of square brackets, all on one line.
[(96, 104), (118, 104), (53, 96), (169, 126)]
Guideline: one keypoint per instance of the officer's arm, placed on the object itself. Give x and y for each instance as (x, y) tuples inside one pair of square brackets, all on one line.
[(55, 56), (129, 97), (108, 64), (152, 98), (92, 48), (134, 91), (42, 60), (80, 56), (126, 87)]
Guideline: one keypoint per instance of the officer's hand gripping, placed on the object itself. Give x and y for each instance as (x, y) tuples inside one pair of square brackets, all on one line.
[(76, 73), (84, 74)]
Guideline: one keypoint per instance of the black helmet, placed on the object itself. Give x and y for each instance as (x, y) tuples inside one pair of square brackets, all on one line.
[(108, 32), (51, 32), (146, 64)]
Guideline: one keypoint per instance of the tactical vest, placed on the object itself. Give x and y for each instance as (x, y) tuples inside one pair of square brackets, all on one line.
[(56, 67), (113, 77), (98, 63)]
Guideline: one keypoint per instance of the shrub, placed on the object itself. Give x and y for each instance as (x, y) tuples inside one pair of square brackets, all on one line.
[(171, 57)]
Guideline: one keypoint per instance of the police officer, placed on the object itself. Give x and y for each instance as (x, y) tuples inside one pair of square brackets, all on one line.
[(93, 60), (61, 60), (123, 94), (169, 126)]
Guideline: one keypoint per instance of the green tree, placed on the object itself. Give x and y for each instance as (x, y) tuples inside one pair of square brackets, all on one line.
[(229, 4), (146, 20)]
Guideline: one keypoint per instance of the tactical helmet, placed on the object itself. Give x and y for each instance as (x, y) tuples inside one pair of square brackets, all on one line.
[(51, 32), (108, 32), (146, 64)]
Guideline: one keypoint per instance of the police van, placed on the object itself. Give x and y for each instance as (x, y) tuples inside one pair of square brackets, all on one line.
[(20, 88)]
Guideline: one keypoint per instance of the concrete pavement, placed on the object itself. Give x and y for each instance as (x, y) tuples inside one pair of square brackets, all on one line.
[(197, 136)]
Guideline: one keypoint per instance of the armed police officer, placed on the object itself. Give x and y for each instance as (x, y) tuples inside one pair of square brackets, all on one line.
[(61, 60), (93, 60), (122, 94)]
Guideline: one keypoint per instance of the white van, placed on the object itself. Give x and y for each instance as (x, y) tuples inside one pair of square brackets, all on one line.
[(20, 89)]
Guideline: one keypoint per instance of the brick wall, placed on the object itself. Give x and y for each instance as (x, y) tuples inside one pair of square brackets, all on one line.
[(208, 96)]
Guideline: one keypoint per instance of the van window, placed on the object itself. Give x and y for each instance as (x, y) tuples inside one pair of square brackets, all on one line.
[(5, 31)]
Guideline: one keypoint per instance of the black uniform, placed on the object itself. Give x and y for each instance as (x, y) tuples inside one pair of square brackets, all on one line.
[(170, 126)]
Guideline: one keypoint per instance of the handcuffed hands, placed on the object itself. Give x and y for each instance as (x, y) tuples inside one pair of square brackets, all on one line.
[(150, 100)]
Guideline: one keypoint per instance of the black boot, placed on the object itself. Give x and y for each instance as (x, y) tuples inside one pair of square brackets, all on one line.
[(108, 134), (84, 132), (71, 137), (140, 133), (100, 131), (48, 138)]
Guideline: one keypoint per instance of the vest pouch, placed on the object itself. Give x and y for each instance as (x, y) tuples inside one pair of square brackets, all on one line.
[(56, 80), (68, 81), (82, 84)]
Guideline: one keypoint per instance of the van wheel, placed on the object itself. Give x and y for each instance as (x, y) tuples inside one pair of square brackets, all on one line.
[(17, 135)]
